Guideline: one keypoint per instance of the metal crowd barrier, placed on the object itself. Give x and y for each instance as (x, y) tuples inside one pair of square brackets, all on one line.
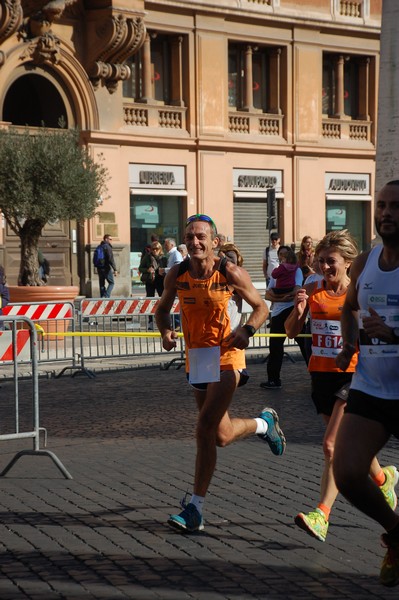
[(106, 328), (54, 318), (17, 421), (131, 323)]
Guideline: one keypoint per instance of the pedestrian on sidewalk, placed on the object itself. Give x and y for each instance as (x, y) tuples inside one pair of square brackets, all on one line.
[(107, 270), (149, 267), (215, 354), (370, 317), (330, 385)]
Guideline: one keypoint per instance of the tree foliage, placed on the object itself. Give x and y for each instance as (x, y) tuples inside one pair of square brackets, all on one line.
[(45, 176)]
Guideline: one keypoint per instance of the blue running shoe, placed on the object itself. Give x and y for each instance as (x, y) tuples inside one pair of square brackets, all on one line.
[(274, 436), (188, 521)]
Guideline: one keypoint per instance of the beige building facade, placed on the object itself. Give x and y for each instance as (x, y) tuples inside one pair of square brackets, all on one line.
[(200, 107)]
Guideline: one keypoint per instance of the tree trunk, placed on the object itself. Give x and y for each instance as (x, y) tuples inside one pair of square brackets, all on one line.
[(29, 235)]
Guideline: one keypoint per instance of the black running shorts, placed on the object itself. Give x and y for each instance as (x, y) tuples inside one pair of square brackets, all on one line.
[(327, 388), (377, 409)]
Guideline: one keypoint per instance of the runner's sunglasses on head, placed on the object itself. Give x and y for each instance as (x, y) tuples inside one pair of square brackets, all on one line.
[(201, 218)]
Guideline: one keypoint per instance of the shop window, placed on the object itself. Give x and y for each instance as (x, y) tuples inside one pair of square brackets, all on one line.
[(345, 92), (349, 214), (157, 71), (154, 214), (254, 78)]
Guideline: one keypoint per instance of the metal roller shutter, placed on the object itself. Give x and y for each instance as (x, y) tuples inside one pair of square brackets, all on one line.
[(250, 234)]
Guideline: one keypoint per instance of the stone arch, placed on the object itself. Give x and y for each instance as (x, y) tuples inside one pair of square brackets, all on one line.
[(34, 98), (65, 79)]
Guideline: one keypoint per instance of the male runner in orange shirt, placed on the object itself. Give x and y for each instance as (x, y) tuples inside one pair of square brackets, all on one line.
[(215, 353)]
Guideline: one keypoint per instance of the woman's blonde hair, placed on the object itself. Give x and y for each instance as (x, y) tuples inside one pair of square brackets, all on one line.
[(341, 241), (156, 246), (229, 248)]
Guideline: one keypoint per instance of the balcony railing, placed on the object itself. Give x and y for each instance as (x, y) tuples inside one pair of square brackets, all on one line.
[(337, 129), (166, 117), (349, 8), (254, 123)]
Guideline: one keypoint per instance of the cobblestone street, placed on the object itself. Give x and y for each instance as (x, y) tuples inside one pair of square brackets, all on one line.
[(127, 439)]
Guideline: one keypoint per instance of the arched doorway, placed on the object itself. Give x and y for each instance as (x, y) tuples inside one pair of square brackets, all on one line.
[(45, 105), (36, 98)]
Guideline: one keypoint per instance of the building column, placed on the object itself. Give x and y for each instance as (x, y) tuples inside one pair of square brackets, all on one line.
[(147, 95), (339, 88), (275, 82), (248, 103), (177, 71), (387, 165), (364, 89)]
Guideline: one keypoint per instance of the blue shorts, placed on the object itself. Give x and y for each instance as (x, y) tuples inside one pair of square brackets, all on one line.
[(203, 386)]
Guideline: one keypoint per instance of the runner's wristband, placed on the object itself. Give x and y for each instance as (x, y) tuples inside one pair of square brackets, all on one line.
[(250, 330)]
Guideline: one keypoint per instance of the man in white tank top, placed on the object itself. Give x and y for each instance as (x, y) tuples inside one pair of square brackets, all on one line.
[(370, 318)]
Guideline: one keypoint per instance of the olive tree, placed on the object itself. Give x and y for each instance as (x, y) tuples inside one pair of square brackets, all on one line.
[(45, 175)]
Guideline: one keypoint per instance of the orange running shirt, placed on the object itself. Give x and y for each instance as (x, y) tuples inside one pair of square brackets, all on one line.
[(325, 314), (206, 320)]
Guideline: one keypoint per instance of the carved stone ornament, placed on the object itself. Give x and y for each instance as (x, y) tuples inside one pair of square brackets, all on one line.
[(38, 17), (112, 34), (11, 16), (114, 38), (43, 49)]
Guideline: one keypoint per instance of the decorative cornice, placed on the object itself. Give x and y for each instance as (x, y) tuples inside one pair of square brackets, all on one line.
[(113, 36)]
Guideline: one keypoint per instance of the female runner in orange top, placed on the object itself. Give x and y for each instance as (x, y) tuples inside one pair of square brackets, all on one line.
[(324, 300)]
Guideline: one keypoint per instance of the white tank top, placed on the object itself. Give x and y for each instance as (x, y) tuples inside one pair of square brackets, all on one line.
[(377, 372)]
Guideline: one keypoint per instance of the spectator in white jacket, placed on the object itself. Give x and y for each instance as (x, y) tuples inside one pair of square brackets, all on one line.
[(173, 255)]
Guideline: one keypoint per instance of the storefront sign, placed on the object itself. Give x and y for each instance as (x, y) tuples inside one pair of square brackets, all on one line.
[(144, 176), (257, 180), (347, 183)]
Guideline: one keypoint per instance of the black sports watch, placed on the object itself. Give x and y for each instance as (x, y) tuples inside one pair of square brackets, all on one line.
[(395, 331), (251, 330)]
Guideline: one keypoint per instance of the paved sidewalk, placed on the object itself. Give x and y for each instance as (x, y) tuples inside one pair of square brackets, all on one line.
[(127, 439)]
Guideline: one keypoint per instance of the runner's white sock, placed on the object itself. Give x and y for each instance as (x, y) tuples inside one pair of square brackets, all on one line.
[(198, 502), (261, 426)]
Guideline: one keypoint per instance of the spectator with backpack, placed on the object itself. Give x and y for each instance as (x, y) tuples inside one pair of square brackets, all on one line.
[(103, 260)]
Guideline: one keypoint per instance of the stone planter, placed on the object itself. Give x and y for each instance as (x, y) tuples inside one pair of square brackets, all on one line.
[(43, 294)]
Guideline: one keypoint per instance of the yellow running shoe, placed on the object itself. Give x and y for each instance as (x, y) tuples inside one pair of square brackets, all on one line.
[(388, 489), (314, 523)]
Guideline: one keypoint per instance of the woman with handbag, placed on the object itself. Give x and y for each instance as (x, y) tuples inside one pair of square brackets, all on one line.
[(149, 269)]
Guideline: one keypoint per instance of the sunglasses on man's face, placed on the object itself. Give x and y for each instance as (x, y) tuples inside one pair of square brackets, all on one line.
[(201, 218)]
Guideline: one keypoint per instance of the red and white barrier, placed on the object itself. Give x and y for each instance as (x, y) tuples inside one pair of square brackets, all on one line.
[(40, 312), (122, 307), (22, 346)]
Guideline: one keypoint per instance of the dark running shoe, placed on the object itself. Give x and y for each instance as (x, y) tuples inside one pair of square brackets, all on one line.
[(271, 385), (389, 574), (188, 521)]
